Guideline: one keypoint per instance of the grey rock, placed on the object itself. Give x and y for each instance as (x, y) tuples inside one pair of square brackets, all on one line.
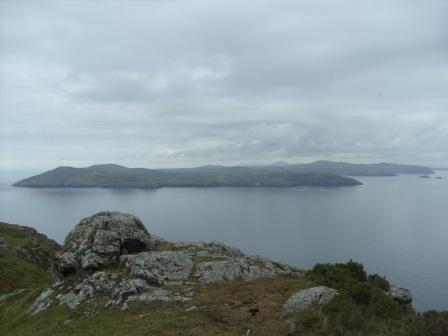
[(156, 294), (214, 248), (192, 308), (98, 240), (66, 263), (247, 268), (305, 298), (401, 295), (116, 292), (107, 242), (5, 297), (69, 299), (158, 267), (42, 302)]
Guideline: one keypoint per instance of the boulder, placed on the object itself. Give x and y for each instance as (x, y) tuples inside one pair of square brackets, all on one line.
[(100, 239), (402, 296), (305, 298)]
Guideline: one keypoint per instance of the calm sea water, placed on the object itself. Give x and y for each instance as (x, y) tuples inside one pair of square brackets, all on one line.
[(396, 226)]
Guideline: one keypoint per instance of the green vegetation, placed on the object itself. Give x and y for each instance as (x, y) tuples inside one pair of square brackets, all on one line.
[(361, 308), (221, 309), (16, 273), (25, 256), (113, 176)]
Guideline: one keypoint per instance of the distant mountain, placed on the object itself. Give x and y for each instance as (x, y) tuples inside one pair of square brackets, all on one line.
[(356, 169), (280, 164), (114, 176)]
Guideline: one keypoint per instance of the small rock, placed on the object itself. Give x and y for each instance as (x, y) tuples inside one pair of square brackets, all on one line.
[(192, 308), (305, 298), (42, 302), (401, 295), (7, 296)]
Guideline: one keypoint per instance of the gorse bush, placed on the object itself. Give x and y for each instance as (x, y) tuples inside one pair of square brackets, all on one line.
[(362, 304), (379, 281)]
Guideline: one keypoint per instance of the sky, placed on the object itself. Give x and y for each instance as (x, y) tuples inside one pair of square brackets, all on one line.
[(185, 83)]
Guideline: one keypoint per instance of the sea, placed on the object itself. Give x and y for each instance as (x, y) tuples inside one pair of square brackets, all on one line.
[(396, 226)]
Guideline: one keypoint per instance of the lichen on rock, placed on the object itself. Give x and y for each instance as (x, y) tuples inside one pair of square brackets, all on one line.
[(100, 239), (121, 264), (305, 298)]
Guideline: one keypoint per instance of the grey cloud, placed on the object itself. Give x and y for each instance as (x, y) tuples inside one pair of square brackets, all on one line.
[(174, 83)]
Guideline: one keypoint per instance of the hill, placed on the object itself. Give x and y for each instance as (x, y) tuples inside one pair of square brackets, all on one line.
[(353, 169), (113, 277), (25, 257), (114, 176)]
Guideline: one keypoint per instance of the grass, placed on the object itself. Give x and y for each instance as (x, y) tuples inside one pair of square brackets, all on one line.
[(222, 309), (361, 308), (17, 272)]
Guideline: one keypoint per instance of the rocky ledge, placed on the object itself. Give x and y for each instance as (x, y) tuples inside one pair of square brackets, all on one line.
[(111, 258)]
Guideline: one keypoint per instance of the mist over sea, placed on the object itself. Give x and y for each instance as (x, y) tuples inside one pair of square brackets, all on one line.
[(395, 226)]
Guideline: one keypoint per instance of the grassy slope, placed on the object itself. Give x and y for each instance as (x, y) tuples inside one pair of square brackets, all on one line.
[(17, 272)]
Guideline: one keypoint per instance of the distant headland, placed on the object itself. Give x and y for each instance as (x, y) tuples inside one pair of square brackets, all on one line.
[(319, 173)]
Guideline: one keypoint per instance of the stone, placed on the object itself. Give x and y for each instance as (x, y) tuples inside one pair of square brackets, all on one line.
[(306, 298), (213, 248), (158, 267), (42, 302), (192, 308), (247, 268), (5, 297), (100, 239), (401, 295)]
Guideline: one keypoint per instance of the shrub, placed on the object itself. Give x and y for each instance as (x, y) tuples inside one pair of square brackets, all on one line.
[(379, 281), (358, 293)]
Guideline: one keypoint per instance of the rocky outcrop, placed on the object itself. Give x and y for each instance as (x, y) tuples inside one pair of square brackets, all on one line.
[(246, 268), (402, 296), (306, 298), (121, 265), (100, 239), (114, 291), (213, 248)]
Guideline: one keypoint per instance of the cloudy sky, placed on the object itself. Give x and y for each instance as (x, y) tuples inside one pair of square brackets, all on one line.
[(184, 83)]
